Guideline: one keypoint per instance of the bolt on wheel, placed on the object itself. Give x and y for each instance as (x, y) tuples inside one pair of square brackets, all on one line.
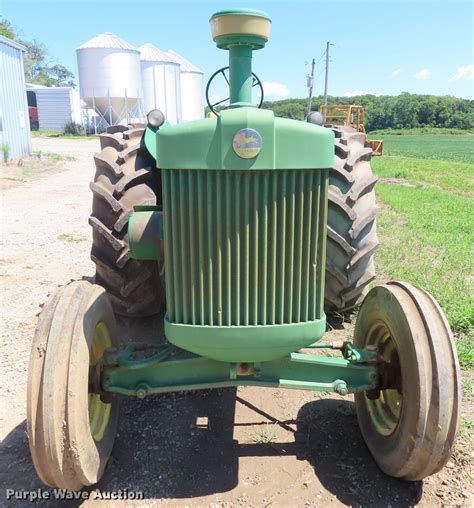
[(71, 429), (410, 422)]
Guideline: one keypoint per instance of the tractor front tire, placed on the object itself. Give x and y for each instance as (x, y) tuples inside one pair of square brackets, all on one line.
[(125, 177), (410, 423), (351, 229), (71, 431)]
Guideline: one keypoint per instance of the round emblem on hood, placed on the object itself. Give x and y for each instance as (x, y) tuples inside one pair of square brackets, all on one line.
[(247, 143)]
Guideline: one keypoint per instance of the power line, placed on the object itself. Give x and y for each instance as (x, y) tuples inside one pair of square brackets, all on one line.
[(310, 82), (327, 74)]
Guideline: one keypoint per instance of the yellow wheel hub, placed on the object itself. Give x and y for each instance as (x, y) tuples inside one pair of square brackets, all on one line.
[(385, 411), (99, 412)]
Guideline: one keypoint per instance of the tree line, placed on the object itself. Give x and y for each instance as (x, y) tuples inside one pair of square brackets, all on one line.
[(38, 69), (404, 111)]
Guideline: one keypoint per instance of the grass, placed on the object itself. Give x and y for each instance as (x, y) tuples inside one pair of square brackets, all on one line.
[(449, 175), (421, 130), (436, 147), (468, 390), (57, 134), (464, 443), (5, 148), (264, 436), (427, 224), (27, 170), (56, 157), (465, 347), (66, 237)]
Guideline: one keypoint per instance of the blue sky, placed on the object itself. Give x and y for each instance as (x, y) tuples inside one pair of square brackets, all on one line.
[(382, 47)]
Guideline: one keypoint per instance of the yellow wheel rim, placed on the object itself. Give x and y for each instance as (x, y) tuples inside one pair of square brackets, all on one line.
[(386, 410), (99, 412)]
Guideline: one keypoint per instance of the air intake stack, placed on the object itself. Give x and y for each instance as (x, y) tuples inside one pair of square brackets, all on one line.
[(240, 31)]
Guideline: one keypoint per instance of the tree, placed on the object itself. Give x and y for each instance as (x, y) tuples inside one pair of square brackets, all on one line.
[(6, 29), (404, 111), (61, 75), (34, 60), (37, 69)]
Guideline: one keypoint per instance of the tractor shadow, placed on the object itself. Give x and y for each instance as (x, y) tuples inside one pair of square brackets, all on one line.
[(328, 437)]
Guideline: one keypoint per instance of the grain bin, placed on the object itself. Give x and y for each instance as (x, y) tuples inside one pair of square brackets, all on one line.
[(192, 100), (109, 76), (161, 82)]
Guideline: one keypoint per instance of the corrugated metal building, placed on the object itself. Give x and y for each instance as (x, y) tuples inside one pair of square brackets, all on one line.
[(57, 106), (14, 120)]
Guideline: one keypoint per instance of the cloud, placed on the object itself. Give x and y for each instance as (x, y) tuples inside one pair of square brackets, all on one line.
[(423, 74), (465, 72), (274, 90), (356, 93), (394, 73)]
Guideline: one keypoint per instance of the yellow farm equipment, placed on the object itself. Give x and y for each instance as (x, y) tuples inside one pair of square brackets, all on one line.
[(350, 116)]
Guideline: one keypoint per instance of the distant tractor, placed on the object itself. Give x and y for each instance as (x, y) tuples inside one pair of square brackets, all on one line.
[(350, 116), (227, 217)]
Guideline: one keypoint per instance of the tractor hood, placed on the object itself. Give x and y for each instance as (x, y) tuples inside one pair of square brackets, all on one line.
[(242, 138)]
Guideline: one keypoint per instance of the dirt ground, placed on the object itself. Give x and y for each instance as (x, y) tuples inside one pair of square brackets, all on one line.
[(189, 449)]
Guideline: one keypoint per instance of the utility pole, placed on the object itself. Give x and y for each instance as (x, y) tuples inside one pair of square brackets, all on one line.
[(327, 72), (310, 84)]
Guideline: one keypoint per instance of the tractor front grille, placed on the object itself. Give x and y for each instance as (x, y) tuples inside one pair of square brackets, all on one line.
[(244, 247)]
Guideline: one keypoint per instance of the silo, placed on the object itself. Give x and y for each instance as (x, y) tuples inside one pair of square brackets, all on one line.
[(109, 76), (160, 82), (192, 92)]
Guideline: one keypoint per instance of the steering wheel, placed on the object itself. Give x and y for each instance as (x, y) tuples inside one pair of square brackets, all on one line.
[(255, 82)]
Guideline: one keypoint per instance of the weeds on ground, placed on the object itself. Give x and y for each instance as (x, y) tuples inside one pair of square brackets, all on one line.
[(66, 237), (468, 390), (465, 347), (5, 151), (58, 134), (74, 129), (27, 170), (56, 157), (464, 443), (264, 436)]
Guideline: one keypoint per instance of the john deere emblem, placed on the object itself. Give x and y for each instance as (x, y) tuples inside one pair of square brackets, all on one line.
[(247, 143)]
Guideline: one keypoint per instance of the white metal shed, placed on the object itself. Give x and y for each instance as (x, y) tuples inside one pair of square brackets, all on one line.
[(56, 105), (14, 119)]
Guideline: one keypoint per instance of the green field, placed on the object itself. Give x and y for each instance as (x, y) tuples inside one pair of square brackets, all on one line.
[(431, 146), (426, 226)]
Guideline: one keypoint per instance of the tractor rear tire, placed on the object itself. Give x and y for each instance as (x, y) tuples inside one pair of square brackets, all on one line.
[(125, 177), (351, 229)]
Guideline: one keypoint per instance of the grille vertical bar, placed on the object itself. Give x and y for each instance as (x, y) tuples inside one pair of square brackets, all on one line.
[(244, 247)]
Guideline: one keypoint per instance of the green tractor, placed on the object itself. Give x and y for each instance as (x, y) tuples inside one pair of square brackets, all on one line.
[(229, 218)]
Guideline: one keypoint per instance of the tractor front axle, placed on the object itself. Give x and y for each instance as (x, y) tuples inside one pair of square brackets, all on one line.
[(173, 370)]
